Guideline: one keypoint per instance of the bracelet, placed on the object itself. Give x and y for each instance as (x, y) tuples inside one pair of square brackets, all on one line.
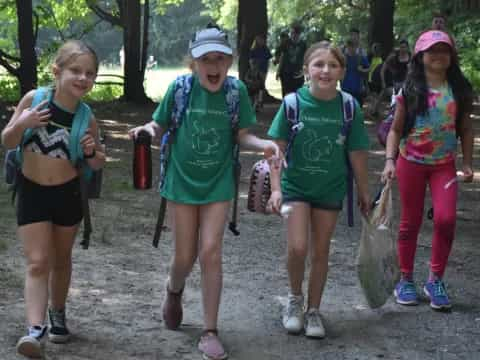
[(92, 155), (390, 158)]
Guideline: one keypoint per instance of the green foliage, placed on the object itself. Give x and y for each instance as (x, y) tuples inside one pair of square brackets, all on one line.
[(101, 92), (9, 88)]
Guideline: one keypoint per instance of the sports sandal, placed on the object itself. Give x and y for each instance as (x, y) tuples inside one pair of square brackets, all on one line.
[(172, 308), (211, 347)]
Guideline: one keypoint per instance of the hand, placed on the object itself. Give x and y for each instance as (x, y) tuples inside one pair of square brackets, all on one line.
[(133, 133), (36, 116), (87, 142), (467, 173), (274, 204), (364, 203), (388, 172), (271, 149)]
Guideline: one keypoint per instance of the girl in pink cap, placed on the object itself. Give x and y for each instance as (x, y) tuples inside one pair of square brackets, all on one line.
[(433, 110)]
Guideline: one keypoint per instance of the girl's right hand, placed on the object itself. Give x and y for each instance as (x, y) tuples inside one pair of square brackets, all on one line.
[(388, 172), (35, 117)]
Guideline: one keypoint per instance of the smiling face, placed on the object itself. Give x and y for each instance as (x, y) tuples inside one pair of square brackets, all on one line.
[(212, 69), (76, 78), (438, 57), (324, 70)]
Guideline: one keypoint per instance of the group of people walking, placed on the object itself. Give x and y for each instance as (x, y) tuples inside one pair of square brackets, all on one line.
[(309, 173)]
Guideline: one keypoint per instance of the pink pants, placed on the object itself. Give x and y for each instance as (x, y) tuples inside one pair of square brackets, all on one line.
[(412, 182)]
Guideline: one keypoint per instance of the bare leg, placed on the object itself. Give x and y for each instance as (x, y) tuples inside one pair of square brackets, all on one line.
[(37, 242), (212, 226), (323, 225), (61, 264), (185, 233)]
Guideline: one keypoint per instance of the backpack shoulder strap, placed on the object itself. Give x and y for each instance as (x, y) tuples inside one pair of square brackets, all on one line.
[(39, 95), (291, 107), (81, 121), (348, 109), (181, 94), (232, 98)]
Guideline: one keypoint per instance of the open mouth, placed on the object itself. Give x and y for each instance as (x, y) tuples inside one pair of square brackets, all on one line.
[(213, 79)]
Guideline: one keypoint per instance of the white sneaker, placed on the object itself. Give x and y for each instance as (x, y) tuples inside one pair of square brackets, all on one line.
[(293, 315), (313, 324), (31, 345)]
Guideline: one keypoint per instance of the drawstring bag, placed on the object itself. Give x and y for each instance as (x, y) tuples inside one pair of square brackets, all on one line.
[(259, 190), (377, 263)]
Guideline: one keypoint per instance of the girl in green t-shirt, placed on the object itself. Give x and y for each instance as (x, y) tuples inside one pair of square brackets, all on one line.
[(199, 183), (313, 185)]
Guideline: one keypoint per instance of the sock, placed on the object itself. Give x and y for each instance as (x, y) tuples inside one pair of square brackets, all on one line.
[(433, 276), (407, 276)]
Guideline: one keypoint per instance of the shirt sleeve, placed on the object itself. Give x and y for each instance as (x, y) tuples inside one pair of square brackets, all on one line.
[(163, 112), (358, 137), (279, 128)]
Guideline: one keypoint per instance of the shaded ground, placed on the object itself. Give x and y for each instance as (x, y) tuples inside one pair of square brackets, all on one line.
[(117, 290)]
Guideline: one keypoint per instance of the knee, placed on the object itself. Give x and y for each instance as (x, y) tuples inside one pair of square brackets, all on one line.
[(297, 252), (184, 261), (38, 267), (210, 256), (445, 223)]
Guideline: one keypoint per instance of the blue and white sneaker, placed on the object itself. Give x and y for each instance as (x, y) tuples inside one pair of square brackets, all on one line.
[(436, 292), (406, 293), (31, 345)]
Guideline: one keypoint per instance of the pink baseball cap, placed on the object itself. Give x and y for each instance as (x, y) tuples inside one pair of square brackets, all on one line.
[(432, 37)]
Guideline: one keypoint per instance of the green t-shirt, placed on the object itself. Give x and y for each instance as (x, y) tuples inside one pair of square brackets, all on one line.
[(317, 169), (200, 165)]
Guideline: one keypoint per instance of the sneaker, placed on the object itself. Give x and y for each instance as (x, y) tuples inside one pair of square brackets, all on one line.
[(293, 316), (406, 293), (211, 347), (31, 345), (172, 308), (58, 332), (313, 324), (435, 290)]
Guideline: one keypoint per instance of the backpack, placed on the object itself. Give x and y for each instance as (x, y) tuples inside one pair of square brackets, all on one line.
[(182, 90), (259, 190), (90, 181)]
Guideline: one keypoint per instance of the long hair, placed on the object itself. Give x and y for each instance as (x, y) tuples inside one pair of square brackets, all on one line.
[(416, 91)]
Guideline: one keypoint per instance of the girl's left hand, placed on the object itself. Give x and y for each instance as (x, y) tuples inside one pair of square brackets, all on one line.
[(88, 143), (364, 203), (467, 173)]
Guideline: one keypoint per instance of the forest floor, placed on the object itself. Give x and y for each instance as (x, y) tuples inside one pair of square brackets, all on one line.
[(114, 307)]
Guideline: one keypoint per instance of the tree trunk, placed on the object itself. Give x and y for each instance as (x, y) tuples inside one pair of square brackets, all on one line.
[(381, 24), (27, 71), (251, 21), (134, 38)]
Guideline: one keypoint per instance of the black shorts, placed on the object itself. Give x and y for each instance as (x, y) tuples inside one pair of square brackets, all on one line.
[(323, 205), (58, 204)]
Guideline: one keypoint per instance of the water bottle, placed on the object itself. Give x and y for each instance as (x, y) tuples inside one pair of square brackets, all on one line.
[(142, 161)]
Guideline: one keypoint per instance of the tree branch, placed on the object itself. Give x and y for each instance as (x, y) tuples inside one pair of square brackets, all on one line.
[(104, 15), (10, 68)]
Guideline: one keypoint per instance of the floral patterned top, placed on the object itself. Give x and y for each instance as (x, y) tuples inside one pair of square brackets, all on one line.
[(432, 140)]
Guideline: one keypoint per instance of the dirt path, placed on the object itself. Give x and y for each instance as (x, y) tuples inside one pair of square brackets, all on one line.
[(117, 290)]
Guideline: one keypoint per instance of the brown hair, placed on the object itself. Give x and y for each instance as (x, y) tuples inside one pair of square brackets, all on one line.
[(71, 50), (325, 45)]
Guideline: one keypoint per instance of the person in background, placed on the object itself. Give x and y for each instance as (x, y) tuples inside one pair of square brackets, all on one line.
[(291, 73), (261, 55), (357, 68)]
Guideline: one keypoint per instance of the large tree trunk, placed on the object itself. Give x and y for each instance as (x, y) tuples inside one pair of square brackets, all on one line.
[(251, 21), (135, 39), (381, 24), (27, 71)]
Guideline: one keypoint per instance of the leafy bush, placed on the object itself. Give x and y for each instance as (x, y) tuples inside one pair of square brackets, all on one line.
[(9, 88)]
